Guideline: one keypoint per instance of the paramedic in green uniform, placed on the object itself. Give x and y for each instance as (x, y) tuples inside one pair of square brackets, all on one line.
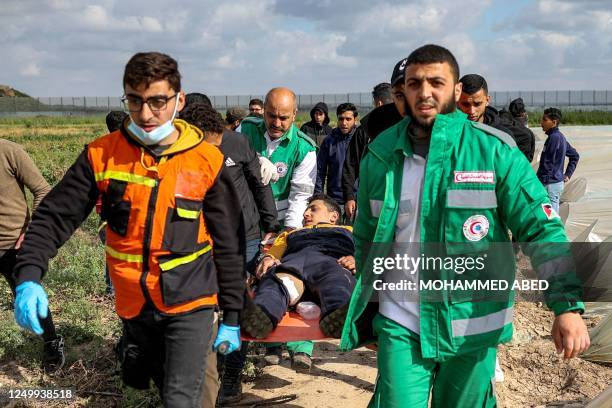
[(439, 180), (293, 156)]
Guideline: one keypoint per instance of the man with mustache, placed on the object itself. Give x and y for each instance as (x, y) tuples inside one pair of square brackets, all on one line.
[(276, 139), (441, 343)]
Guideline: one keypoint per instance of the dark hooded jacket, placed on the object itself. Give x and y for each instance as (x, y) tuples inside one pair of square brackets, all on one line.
[(372, 125), (317, 132), (522, 135)]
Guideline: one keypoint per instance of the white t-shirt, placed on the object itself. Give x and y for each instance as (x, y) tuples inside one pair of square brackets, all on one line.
[(402, 306)]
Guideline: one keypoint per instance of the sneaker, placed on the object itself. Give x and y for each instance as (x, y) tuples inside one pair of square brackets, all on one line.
[(255, 322), (301, 362), (332, 324), (53, 355), (273, 355), (231, 387)]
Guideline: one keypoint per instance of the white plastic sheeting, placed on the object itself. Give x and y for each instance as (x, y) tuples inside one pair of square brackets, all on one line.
[(588, 196)]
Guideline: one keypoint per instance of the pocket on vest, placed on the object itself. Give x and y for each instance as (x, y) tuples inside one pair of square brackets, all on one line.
[(187, 278), (182, 226), (116, 210)]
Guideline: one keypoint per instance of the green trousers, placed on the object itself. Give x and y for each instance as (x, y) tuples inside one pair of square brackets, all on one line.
[(305, 346), (405, 378)]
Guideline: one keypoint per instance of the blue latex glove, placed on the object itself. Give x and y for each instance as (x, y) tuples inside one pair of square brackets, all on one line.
[(31, 303), (228, 339)]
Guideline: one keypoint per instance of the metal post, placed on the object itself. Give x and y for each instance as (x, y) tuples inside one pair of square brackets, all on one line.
[(226, 105), (84, 105), (62, 103), (569, 98)]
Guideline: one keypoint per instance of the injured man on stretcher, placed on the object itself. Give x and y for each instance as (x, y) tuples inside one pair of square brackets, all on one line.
[(313, 263)]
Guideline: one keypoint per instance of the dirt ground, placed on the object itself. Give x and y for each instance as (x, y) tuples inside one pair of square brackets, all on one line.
[(534, 375)]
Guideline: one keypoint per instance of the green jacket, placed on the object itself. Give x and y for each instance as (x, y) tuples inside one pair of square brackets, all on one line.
[(287, 156), (502, 188)]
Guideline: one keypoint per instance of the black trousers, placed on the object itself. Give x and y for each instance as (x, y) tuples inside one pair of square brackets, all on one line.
[(7, 264), (325, 282), (171, 350)]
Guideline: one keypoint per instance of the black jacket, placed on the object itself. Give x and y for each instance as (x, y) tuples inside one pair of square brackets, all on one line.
[(522, 135), (69, 203), (372, 125), (257, 200), (317, 132)]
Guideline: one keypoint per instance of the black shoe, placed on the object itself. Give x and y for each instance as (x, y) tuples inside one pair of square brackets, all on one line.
[(332, 324), (301, 362), (255, 322), (231, 387), (53, 355), (273, 355)]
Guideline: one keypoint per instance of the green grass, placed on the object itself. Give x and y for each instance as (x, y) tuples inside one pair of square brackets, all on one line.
[(83, 314), (576, 118)]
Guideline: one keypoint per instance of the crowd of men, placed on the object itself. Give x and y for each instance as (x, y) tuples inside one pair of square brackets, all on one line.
[(190, 200)]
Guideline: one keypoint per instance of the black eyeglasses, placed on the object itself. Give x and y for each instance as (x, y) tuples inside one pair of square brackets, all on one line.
[(156, 103)]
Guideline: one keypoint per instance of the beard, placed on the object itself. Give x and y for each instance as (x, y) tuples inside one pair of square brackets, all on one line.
[(417, 123)]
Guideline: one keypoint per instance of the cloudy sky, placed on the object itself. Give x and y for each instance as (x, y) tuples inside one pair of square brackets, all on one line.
[(74, 48)]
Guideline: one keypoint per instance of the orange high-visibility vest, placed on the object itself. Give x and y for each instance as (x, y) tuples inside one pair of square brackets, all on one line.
[(158, 249)]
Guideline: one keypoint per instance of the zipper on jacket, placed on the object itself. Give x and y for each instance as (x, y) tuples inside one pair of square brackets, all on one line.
[(146, 244)]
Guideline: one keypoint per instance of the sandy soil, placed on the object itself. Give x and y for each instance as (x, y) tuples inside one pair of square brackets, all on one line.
[(534, 374)]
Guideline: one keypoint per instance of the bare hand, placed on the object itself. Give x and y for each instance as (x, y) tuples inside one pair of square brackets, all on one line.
[(349, 208), (570, 335), (348, 262), (566, 179), (269, 237), (19, 241), (264, 265)]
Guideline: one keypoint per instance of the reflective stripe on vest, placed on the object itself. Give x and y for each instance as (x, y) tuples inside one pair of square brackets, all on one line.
[(166, 266), (123, 256), (376, 207), (483, 324), (471, 199), (555, 267), (125, 176), (189, 214)]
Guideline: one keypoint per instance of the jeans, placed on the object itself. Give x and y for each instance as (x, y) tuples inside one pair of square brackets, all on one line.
[(172, 350), (554, 191)]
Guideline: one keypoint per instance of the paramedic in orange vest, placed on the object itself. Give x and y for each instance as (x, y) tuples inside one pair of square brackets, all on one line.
[(171, 210)]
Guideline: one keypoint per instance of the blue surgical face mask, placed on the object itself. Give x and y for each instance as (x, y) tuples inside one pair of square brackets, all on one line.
[(156, 135)]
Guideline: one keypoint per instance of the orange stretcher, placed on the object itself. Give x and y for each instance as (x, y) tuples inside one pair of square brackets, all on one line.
[(292, 328)]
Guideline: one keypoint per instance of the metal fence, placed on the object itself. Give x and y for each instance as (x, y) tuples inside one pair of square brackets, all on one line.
[(534, 100)]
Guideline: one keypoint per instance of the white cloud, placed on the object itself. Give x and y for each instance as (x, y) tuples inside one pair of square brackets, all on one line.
[(30, 70), (313, 46)]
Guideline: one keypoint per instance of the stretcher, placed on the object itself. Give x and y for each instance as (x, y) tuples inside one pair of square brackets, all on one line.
[(292, 328)]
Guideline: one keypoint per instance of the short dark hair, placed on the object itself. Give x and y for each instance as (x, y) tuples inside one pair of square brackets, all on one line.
[(345, 107), (115, 119), (554, 114), (383, 92), (196, 97), (473, 83), (431, 54), (147, 67), (329, 203), (234, 114), (204, 117), (256, 101)]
